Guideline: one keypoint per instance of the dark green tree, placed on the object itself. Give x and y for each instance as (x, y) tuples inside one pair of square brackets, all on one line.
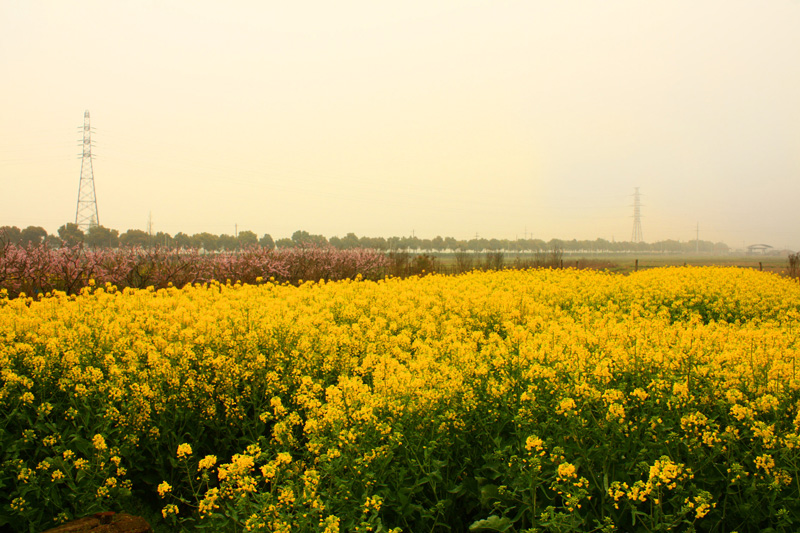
[(301, 237), (52, 241), (182, 240), (247, 238), (376, 243), (70, 234), (163, 239), (350, 241), (135, 237), (207, 241), (101, 237), (9, 234), (478, 244), (228, 242), (32, 235), (266, 241)]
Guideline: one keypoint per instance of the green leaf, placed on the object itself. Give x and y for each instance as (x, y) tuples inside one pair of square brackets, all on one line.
[(458, 489), (493, 523), (488, 493)]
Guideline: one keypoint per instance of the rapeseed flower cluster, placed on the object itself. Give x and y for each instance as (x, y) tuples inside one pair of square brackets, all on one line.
[(554, 398)]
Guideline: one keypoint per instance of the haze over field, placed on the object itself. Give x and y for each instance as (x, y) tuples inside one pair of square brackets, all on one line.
[(386, 118)]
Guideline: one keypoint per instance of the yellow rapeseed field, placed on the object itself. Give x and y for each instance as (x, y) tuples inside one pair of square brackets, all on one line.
[(538, 400)]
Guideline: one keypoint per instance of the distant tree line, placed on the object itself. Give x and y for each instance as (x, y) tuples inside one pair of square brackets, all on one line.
[(101, 237)]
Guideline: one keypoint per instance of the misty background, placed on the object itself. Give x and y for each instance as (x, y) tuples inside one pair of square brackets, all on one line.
[(503, 119)]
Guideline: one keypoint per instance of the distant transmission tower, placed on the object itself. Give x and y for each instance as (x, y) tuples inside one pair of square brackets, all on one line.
[(636, 236), (86, 214)]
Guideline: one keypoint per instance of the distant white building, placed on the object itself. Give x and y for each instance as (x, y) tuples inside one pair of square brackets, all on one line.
[(758, 249)]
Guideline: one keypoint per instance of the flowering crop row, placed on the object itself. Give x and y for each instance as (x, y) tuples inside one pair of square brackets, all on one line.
[(40, 269), (547, 400)]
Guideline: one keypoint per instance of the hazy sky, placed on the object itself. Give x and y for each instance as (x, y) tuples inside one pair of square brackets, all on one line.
[(383, 118)]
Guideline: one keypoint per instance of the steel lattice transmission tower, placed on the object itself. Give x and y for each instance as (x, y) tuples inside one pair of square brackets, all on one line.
[(636, 236), (86, 214)]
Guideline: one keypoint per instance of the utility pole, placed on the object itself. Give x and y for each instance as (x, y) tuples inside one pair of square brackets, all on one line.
[(697, 240), (86, 213), (150, 229)]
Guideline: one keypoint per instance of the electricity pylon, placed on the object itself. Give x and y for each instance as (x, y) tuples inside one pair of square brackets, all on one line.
[(86, 214), (636, 236)]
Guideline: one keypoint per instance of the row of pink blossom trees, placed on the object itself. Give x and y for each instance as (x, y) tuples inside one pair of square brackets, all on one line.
[(37, 269)]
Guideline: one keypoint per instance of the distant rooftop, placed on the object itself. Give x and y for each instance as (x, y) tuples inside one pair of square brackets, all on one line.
[(758, 248)]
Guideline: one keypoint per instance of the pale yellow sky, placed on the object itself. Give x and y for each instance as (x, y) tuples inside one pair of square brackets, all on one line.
[(383, 118)]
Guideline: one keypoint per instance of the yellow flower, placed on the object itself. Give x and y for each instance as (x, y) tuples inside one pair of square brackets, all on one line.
[(619, 350), (664, 471), (533, 443), (639, 491), (765, 462), (566, 406), (25, 474), (680, 389), (286, 496), (18, 504), (164, 488), (373, 503), (331, 524), (268, 471), (739, 412), (99, 442), (284, 458), (207, 462), (616, 412), (184, 450), (617, 490), (702, 504), (640, 394), (567, 470), (209, 502)]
